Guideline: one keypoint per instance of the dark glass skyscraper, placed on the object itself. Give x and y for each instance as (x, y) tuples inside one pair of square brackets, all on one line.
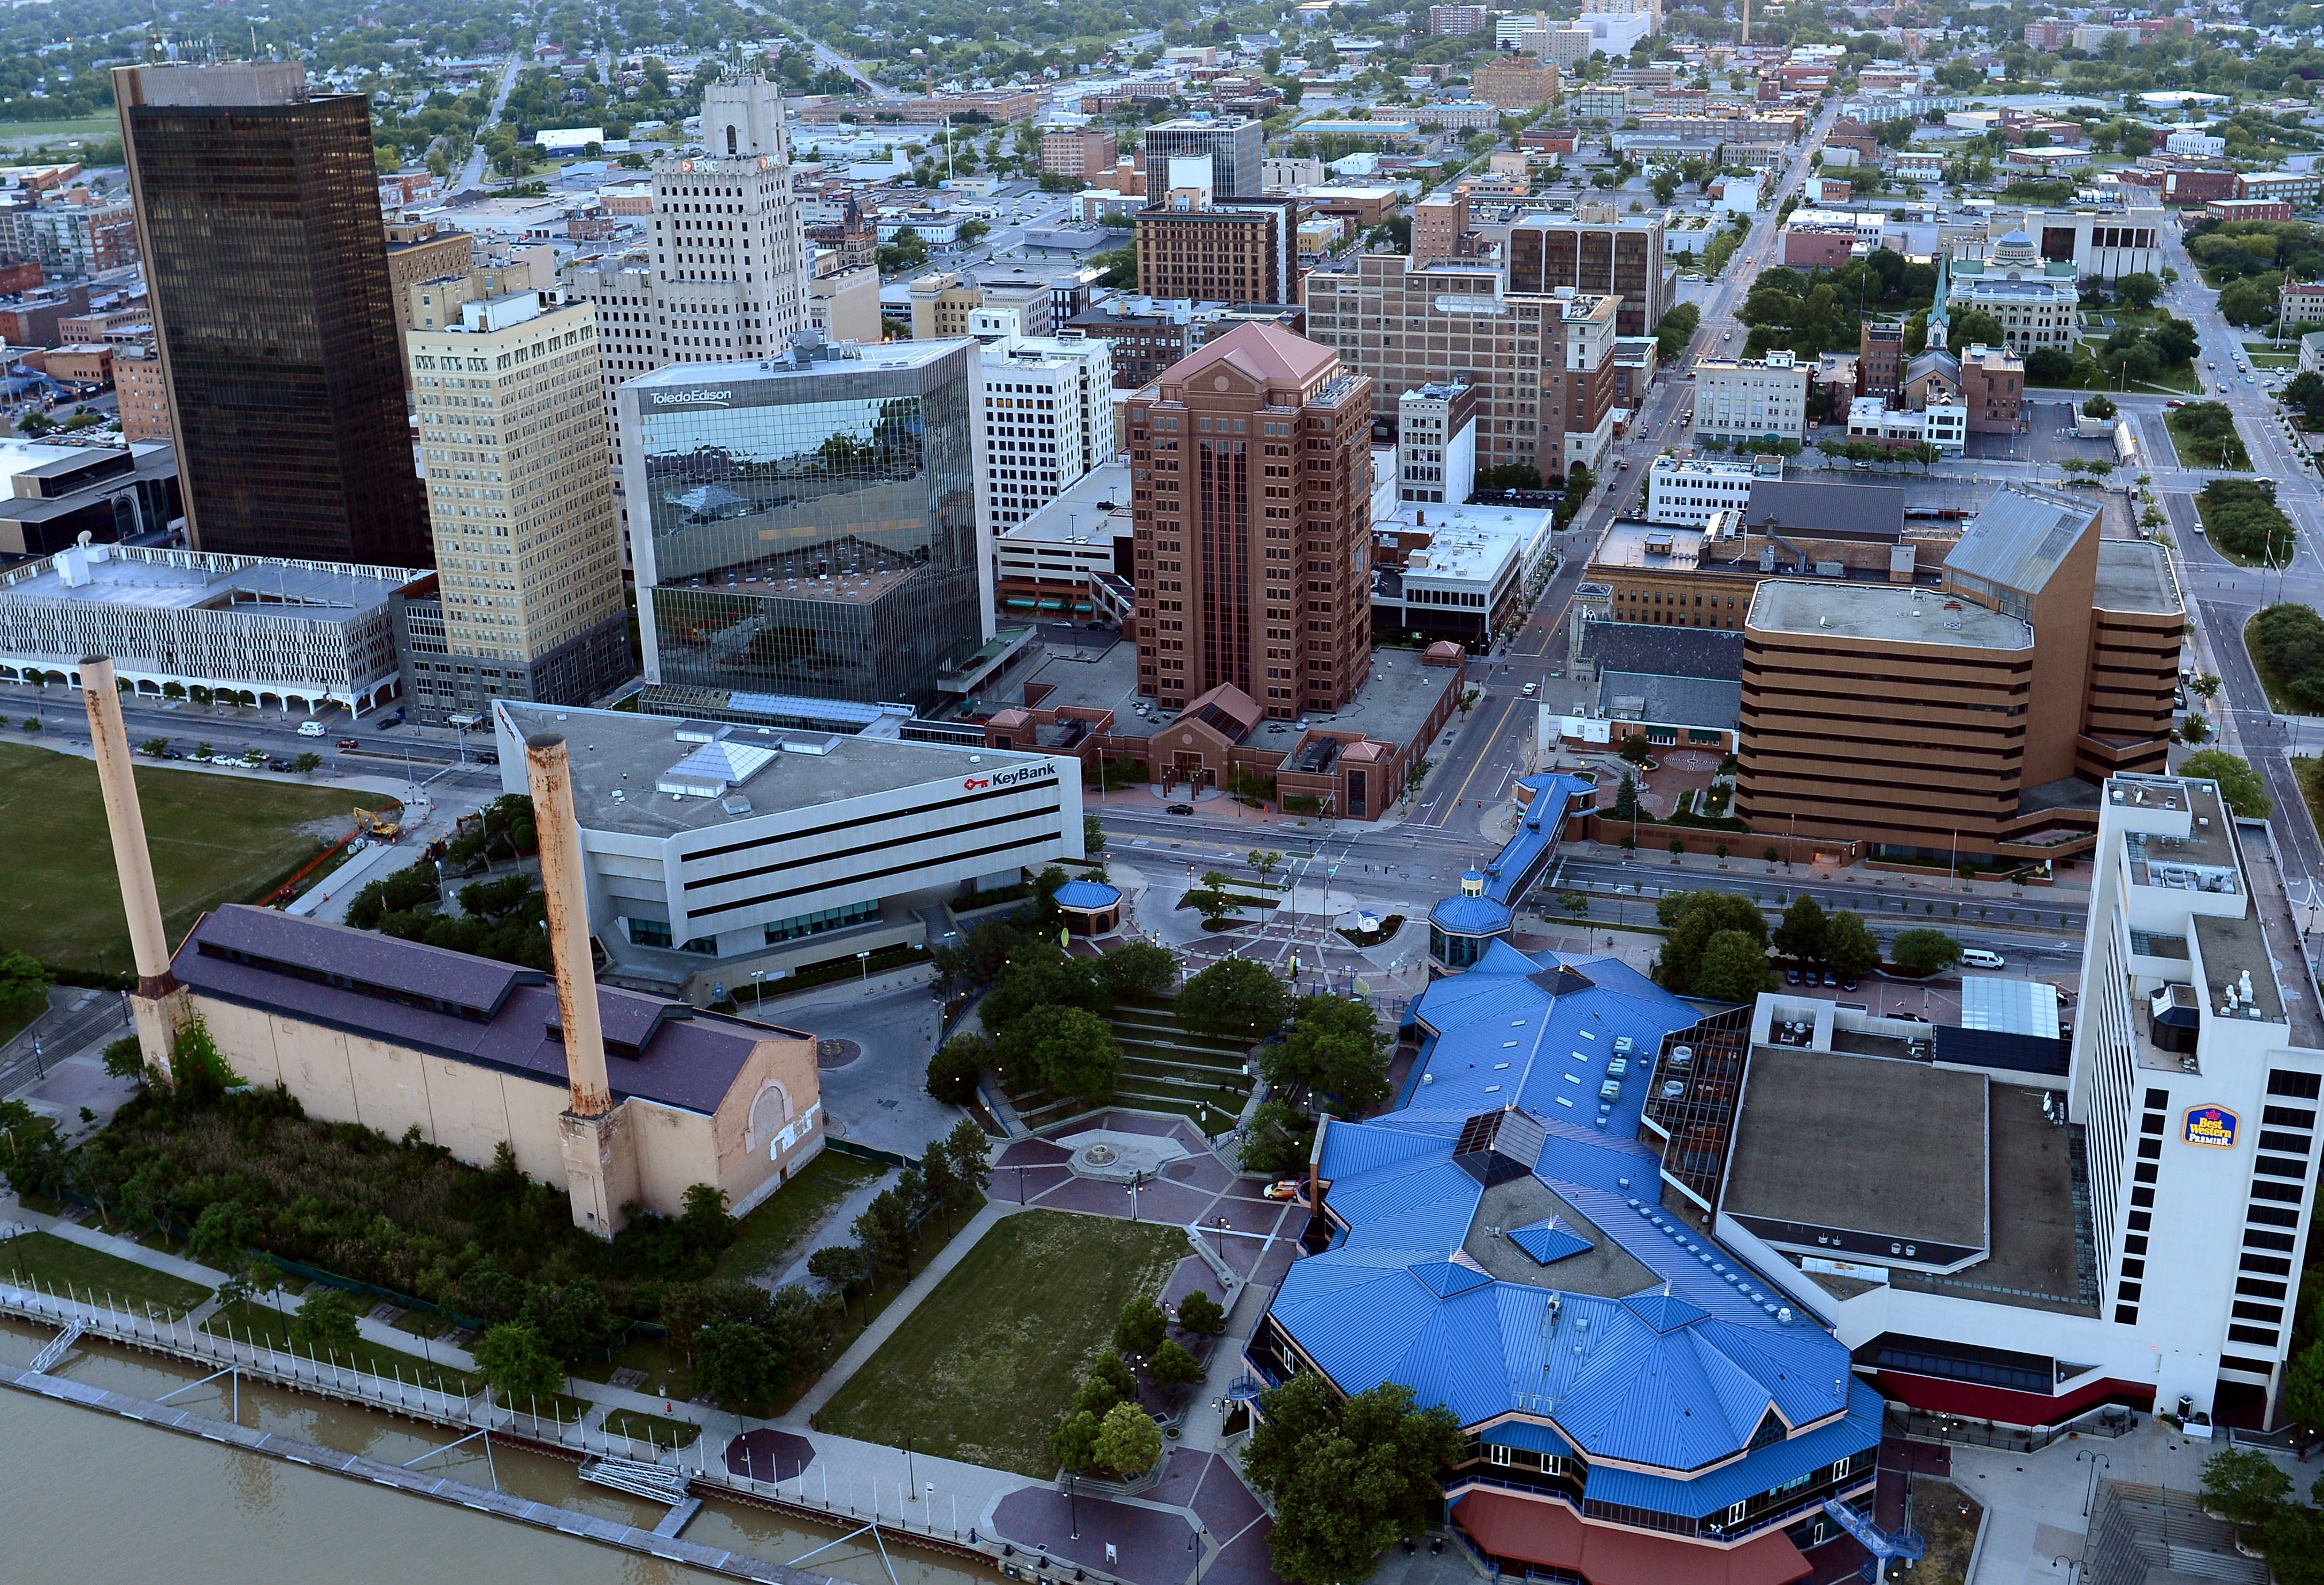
[(805, 525), (267, 266)]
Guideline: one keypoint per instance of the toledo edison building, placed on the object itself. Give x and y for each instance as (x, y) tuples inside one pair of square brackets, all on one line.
[(1970, 722)]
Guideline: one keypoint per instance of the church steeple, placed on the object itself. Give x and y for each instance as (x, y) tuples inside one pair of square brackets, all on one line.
[(1940, 316)]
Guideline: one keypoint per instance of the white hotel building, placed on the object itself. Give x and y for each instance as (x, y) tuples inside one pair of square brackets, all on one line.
[(1751, 399), (715, 848), (2007, 1225), (1685, 491)]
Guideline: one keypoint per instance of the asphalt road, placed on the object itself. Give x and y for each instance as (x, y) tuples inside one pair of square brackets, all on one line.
[(471, 175)]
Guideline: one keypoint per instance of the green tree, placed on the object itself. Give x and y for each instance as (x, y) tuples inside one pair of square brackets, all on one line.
[(1347, 1479), (1069, 1050), (1976, 327), (1734, 967), (1278, 1139), (1691, 919), (2139, 290), (1172, 1366), (1074, 1445), (516, 1364), (1848, 948), (1921, 952), (737, 1363), (2243, 1486), (1140, 1328), (307, 764), (840, 1267), (954, 1069), (971, 1154), (1108, 1383), (2303, 1385), (1092, 836), (2239, 784), (125, 1059), (884, 1228), (1127, 1441), (1635, 749), (1138, 968), (1233, 996), (1200, 1315), (221, 1231), (2099, 405), (1803, 934), (1625, 799), (25, 983), (1336, 1047), (326, 1322)]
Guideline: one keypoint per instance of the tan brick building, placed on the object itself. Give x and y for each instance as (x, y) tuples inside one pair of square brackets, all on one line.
[(1078, 153), (1993, 389), (142, 392), (1515, 83), (1542, 364), (1251, 467), (1239, 250), (1971, 721)]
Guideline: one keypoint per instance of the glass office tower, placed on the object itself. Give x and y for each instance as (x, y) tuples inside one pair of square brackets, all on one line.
[(809, 524), (258, 207)]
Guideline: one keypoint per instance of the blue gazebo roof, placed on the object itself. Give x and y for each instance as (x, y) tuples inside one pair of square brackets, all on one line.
[(1471, 916), (1087, 896)]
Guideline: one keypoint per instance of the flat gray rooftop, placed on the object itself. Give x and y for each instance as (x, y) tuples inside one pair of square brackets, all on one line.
[(2035, 1260), (1393, 707), (2232, 947), (617, 751), (1887, 612), (1892, 1149), (138, 579), (1606, 1269), (2135, 575)]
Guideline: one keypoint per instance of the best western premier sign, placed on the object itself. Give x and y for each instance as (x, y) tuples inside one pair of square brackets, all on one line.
[(2212, 1126)]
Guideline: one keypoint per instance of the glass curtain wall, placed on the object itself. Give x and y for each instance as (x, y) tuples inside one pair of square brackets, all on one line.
[(819, 547)]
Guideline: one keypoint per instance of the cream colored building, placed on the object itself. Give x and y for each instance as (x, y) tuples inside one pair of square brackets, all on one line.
[(519, 501), (618, 1097), (1045, 414), (844, 305), (1751, 398)]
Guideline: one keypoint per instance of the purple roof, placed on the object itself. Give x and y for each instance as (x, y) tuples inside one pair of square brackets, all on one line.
[(413, 995)]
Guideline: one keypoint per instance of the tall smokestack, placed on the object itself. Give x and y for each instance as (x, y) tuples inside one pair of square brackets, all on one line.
[(116, 776), (567, 895)]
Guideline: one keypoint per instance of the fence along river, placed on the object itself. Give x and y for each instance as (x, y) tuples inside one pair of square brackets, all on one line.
[(92, 1497)]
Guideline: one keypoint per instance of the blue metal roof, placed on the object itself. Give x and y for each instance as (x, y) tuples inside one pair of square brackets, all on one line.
[(1087, 895), (1677, 1375), (1548, 1243), (1520, 862), (1471, 916), (1748, 1476)]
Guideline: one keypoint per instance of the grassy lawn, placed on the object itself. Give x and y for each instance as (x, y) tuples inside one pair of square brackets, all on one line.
[(984, 1367), (2195, 451), (2308, 772), (260, 1322), (97, 127), (665, 1433), (59, 1263), (770, 1237), (214, 839)]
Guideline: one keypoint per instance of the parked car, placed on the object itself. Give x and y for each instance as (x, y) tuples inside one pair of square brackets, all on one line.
[(1283, 1188), (1791, 976), (1179, 809)]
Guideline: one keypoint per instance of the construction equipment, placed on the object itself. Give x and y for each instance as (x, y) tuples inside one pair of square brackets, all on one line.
[(381, 826)]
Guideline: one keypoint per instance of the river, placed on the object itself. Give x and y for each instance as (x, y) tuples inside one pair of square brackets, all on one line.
[(97, 1500)]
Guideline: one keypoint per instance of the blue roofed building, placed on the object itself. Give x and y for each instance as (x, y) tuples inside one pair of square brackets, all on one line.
[(1642, 1408)]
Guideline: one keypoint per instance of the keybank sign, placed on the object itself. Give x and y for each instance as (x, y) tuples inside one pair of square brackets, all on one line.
[(692, 398), (1022, 775)]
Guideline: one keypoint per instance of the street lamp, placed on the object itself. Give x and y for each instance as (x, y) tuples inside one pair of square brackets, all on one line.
[(757, 992), (864, 958)]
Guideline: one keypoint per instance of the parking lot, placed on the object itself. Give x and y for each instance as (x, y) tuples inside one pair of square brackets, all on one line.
[(2050, 438)]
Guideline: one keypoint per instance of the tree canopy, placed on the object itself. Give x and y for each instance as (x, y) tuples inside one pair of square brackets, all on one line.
[(1234, 995), (1693, 919), (2239, 784)]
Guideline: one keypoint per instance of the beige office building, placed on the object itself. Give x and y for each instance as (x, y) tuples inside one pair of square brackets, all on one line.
[(519, 504), (1543, 365)]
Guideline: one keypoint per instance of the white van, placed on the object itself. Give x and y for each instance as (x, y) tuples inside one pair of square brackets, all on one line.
[(1978, 958), (311, 728)]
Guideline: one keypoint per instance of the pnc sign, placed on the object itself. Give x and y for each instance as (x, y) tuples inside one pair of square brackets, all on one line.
[(2212, 1126)]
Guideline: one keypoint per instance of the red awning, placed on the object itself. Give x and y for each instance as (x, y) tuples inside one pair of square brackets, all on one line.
[(1539, 1531)]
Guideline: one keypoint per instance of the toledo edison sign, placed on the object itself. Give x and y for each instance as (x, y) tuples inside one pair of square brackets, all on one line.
[(2212, 1126)]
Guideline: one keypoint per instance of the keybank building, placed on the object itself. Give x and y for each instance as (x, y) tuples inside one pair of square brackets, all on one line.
[(806, 528)]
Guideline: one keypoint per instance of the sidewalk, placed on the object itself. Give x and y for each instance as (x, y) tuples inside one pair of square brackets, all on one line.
[(861, 1351)]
